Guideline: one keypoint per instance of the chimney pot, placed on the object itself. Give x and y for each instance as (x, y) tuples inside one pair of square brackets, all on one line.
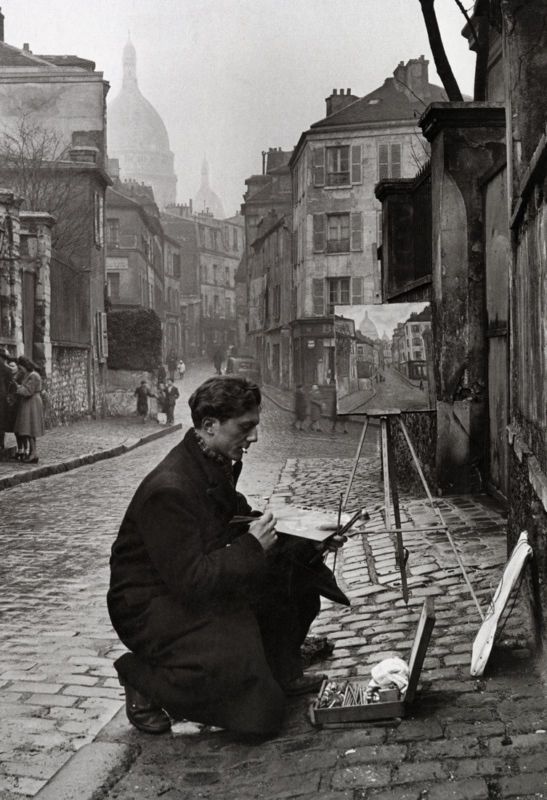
[(26, 47), (335, 91), (348, 91)]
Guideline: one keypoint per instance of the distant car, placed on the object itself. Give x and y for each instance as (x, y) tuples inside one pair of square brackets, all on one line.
[(246, 366)]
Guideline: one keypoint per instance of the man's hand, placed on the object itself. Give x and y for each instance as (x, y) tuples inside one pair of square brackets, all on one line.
[(263, 529)]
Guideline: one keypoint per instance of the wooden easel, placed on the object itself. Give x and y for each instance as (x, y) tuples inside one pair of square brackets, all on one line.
[(391, 495)]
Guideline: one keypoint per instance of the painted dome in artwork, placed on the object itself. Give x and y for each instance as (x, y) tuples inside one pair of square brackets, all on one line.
[(138, 138), (368, 328), (206, 199)]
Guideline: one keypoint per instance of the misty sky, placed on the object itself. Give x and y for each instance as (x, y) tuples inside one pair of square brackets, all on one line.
[(231, 78)]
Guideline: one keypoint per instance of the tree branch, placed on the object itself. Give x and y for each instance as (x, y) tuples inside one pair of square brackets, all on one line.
[(439, 54)]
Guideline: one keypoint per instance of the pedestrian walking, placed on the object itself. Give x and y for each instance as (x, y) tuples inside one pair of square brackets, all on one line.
[(161, 374), (300, 407), (172, 364), (30, 414), (217, 360), (316, 408), (161, 400), (213, 616), (142, 393), (171, 397), (181, 369)]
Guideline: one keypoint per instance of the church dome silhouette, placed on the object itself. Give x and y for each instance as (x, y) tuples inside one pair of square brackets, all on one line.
[(138, 138), (206, 199), (368, 328)]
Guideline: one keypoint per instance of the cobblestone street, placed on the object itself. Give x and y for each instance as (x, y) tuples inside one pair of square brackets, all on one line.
[(465, 738)]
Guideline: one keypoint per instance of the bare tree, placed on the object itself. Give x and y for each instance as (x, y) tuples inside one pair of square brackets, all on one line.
[(34, 164)]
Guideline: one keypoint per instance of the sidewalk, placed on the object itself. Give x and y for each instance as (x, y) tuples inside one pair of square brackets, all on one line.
[(84, 442)]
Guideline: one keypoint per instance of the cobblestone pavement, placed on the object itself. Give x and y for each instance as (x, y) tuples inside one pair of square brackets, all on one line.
[(465, 739)]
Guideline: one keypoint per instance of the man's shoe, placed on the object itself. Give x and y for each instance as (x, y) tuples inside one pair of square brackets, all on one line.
[(143, 714), (305, 684)]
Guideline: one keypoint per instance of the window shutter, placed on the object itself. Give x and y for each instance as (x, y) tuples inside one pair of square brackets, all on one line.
[(383, 162), (318, 296), (357, 292), (356, 167), (395, 160), (356, 232), (318, 233), (319, 166)]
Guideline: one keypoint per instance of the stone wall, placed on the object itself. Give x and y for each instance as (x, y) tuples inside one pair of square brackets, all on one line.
[(422, 430), (67, 396), (120, 397)]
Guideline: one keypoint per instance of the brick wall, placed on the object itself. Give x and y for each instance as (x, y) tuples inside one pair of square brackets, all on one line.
[(422, 429)]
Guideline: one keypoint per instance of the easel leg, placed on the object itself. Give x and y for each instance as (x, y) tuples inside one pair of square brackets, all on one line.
[(355, 462), (438, 514), (390, 480)]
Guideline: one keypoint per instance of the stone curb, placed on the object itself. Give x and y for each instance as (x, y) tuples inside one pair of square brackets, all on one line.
[(92, 770), (82, 461)]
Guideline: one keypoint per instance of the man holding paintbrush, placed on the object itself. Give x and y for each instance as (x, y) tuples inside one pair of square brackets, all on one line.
[(211, 604)]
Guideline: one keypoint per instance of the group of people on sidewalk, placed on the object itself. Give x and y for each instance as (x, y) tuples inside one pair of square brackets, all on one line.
[(166, 395), (21, 406)]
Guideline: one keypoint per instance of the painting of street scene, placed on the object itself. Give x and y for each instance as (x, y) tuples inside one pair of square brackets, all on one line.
[(383, 358)]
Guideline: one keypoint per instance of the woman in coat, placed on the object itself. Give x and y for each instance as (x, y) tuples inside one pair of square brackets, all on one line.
[(30, 414)]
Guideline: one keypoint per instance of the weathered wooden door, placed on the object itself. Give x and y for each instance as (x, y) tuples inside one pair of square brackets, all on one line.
[(497, 263)]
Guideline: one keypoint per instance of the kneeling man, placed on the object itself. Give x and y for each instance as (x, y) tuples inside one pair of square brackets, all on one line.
[(212, 610)]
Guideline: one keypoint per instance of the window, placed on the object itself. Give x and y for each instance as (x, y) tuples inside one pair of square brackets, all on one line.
[(337, 233), (318, 296), (113, 282), (339, 292), (227, 276), (357, 298), (416, 341), (234, 239), (418, 355), (228, 302), (113, 232), (215, 274), (277, 302), (319, 166), (338, 166), (389, 161), (99, 219), (176, 265)]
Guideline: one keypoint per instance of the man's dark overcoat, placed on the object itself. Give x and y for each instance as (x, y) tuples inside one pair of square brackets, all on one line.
[(214, 625)]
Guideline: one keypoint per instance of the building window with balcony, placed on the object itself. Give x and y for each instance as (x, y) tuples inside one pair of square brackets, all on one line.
[(113, 232), (389, 161), (337, 233), (339, 293), (338, 166)]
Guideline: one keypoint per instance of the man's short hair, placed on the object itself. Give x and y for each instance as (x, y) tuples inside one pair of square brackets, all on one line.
[(223, 397)]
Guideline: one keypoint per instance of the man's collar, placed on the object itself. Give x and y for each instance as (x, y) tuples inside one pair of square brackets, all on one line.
[(210, 453)]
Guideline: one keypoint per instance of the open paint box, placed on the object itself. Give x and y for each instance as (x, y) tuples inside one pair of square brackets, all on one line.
[(347, 703)]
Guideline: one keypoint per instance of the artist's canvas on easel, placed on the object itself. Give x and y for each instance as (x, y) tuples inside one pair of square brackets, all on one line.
[(384, 358)]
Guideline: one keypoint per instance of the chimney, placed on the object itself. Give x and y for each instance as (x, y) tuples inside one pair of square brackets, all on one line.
[(412, 78), (337, 101), (1, 26), (26, 47)]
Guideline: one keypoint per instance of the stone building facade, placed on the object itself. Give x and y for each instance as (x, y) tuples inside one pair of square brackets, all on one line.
[(59, 102)]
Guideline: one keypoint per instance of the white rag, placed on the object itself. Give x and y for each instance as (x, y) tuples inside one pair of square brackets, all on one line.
[(388, 673)]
